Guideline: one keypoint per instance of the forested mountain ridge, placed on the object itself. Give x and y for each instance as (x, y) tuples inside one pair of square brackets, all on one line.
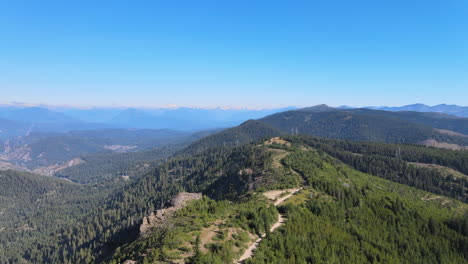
[(19, 201), (225, 173), (93, 235), (435, 170), (249, 131), (340, 201), (105, 166), (461, 111), (356, 125), (370, 125), (436, 120), (31, 205), (391, 161)]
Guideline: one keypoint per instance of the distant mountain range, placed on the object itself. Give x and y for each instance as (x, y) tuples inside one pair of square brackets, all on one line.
[(461, 111), (37, 146), (18, 121)]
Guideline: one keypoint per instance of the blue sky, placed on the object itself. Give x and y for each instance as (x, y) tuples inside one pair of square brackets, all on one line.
[(234, 53)]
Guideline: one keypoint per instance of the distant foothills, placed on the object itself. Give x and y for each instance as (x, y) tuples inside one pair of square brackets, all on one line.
[(61, 118), (48, 141), (181, 118)]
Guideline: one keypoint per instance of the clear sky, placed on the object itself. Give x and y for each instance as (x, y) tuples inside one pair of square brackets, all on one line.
[(239, 53)]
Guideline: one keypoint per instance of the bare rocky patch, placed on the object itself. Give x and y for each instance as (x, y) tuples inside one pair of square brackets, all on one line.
[(440, 199), (120, 148), (53, 169), (159, 217), (277, 140)]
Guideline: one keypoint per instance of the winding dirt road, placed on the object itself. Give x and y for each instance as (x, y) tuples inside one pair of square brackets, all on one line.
[(272, 195)]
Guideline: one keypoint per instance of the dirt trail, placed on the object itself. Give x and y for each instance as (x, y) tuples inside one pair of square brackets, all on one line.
[(272, 195)]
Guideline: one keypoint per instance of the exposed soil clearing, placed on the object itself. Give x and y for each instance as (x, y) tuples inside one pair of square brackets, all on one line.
[(445, 170), (207, 234), (450, 132), (276, 196), (442, 200), (278, 157), (442, 145), (120, 148)]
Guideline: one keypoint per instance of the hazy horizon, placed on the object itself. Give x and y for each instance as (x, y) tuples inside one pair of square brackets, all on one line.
[(84, 107)]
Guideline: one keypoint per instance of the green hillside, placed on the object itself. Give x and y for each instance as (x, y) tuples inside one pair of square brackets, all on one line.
[(247, 132), (104, 166), (103, 225), (37, 150), (412, 165), (367, 125), (355, 124), (32, 206), (436, 120), (341, 216)]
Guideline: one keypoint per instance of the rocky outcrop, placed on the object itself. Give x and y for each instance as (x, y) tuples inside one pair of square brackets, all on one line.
[(18, 152), (159, 217)]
